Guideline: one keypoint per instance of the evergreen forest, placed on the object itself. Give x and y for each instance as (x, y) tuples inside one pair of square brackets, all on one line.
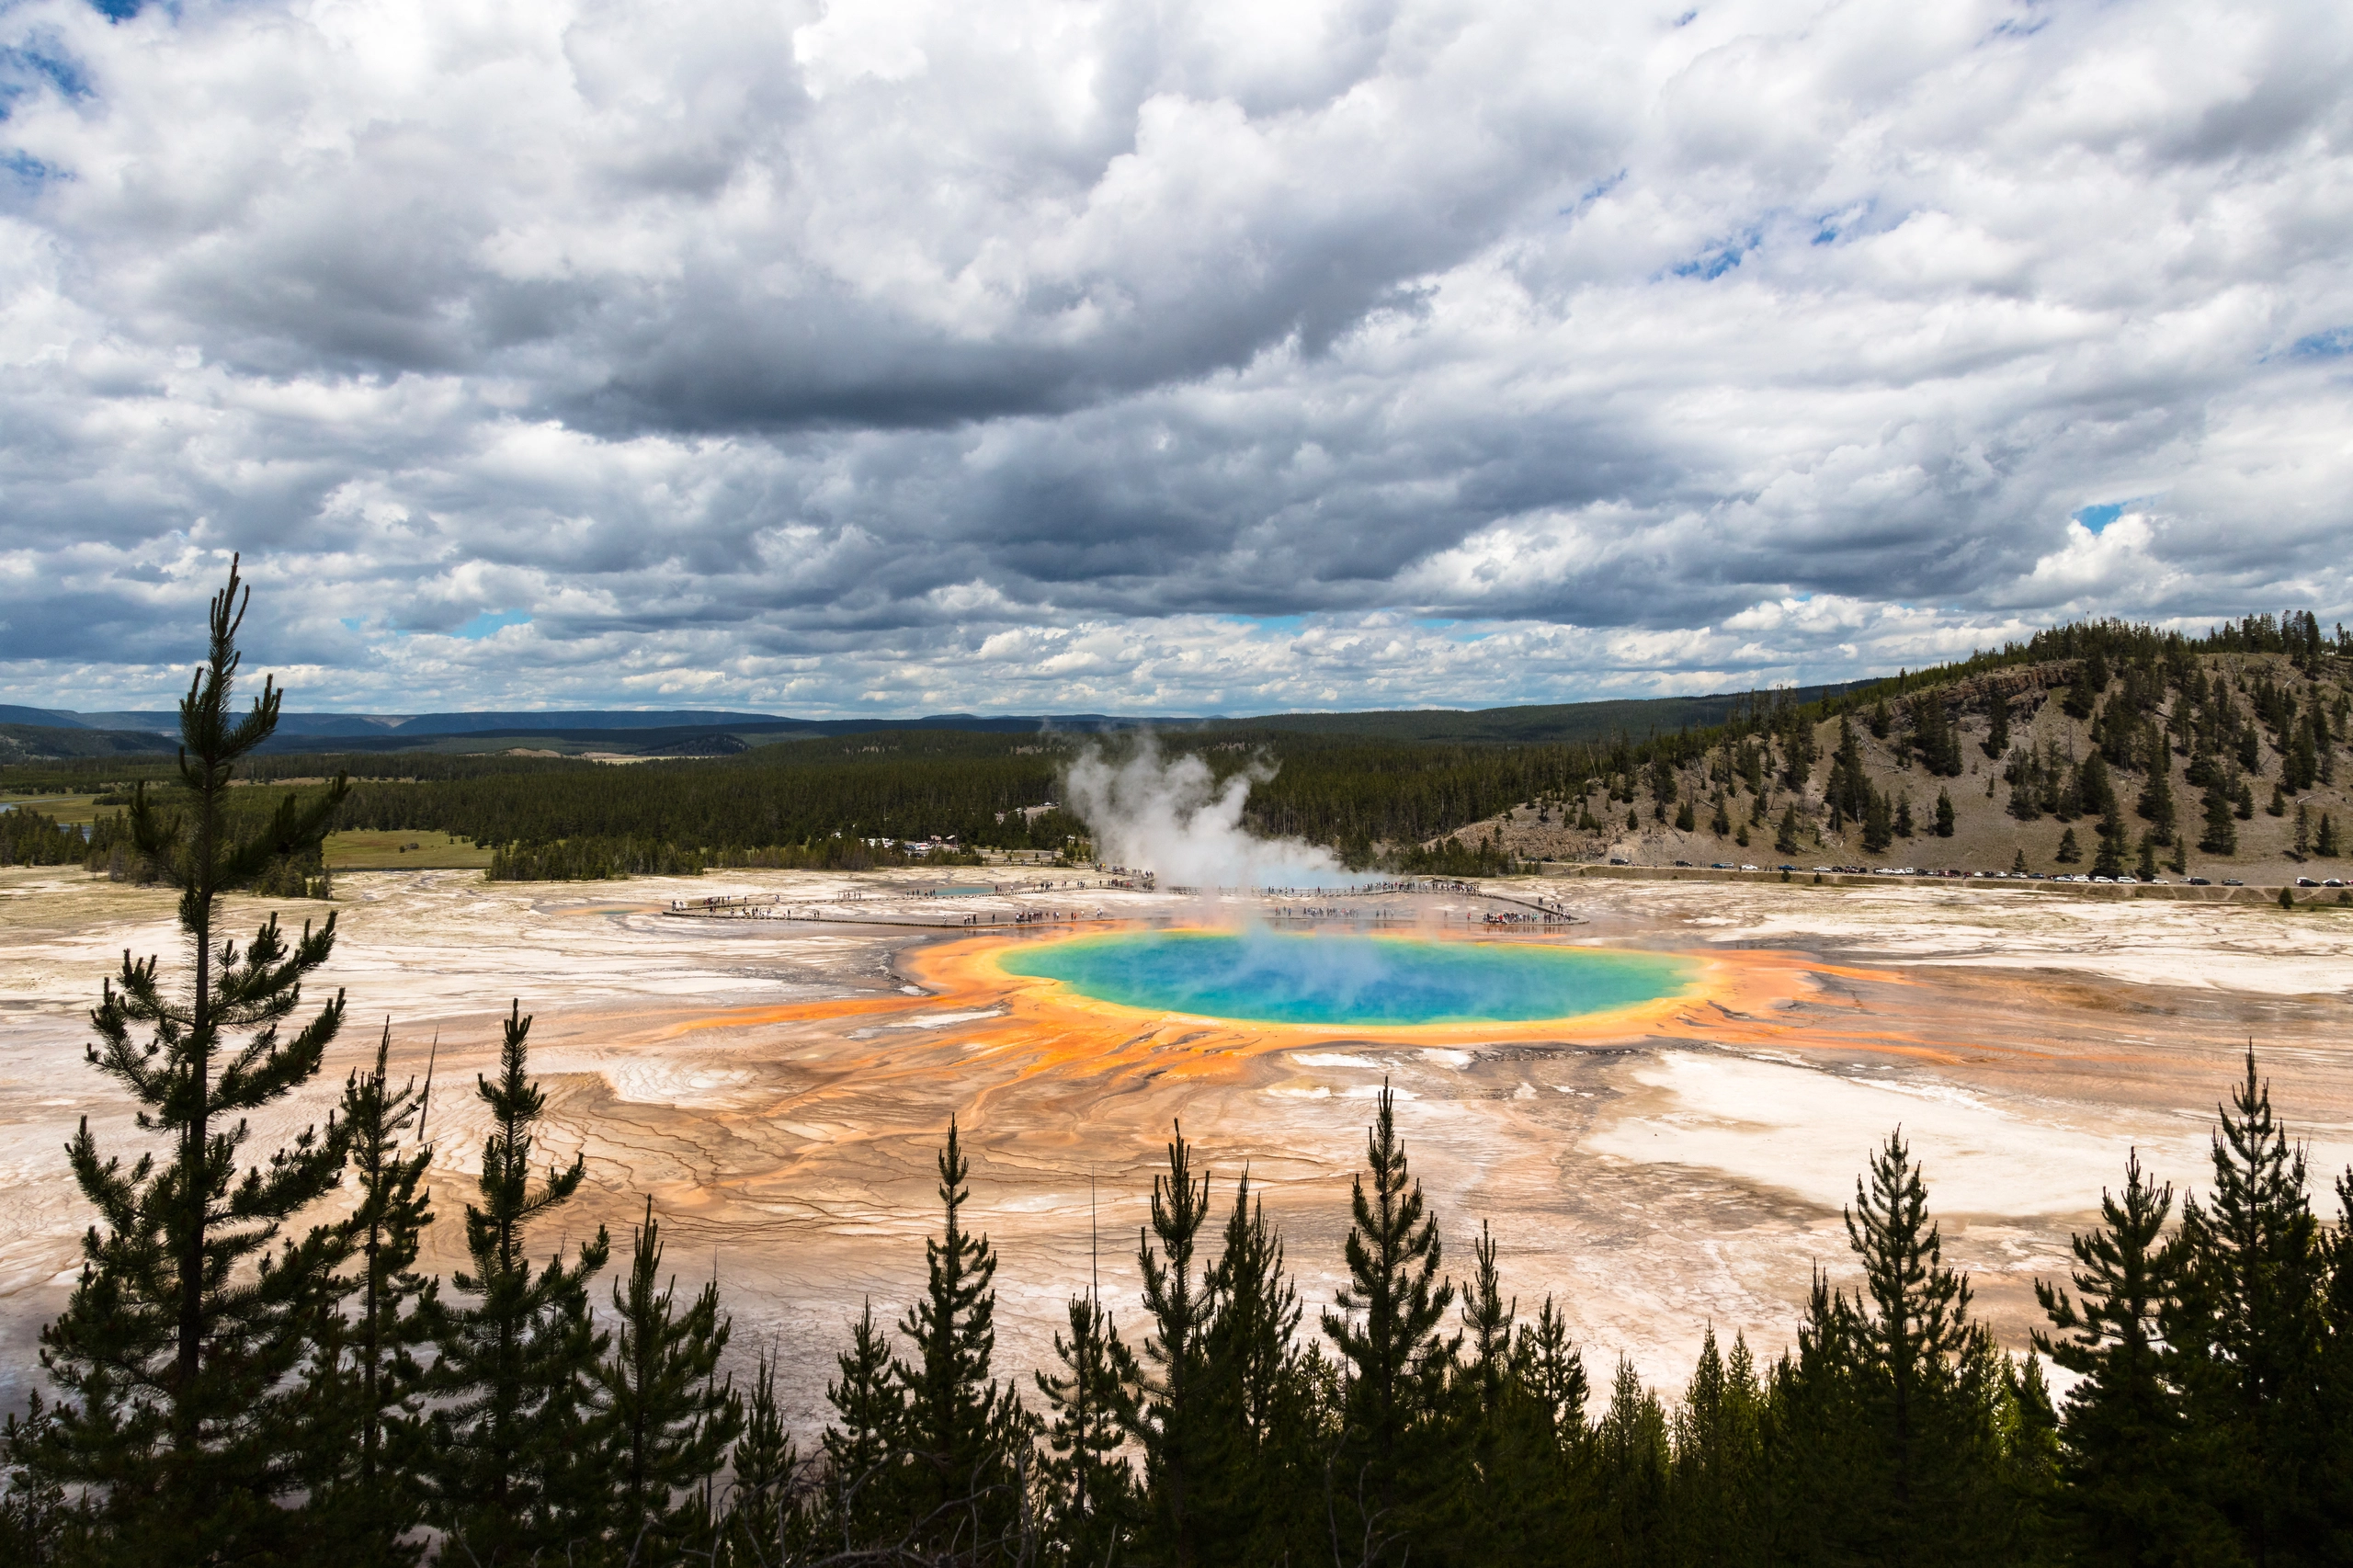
[(2263, 701)]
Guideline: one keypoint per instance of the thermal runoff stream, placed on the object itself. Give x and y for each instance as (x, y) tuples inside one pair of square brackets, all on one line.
[(1347, 980)]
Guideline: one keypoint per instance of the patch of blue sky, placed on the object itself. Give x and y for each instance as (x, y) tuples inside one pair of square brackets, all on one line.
[(2096, 518), (25, 69), (1269, 622), (2337, 342), (490, 621), (118, 10), (1717, 260), (1594, 193), (26, 172)]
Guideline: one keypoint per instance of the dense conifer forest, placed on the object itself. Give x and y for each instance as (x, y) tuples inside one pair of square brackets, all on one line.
[(1761, 770), (237, 1379)]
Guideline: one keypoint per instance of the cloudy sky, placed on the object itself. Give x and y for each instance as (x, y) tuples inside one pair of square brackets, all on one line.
[(903, 356)]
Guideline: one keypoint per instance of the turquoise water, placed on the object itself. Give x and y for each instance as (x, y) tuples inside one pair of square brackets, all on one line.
[(1271, 978)]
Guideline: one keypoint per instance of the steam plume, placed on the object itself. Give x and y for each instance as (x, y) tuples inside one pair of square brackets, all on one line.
[(1173, 818)]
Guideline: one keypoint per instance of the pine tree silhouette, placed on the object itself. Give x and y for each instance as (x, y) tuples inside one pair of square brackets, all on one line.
[(182, 1424), (1168, 1422), (2249, 1330), (1386, 1322), (507, 1474), (669, 1419)]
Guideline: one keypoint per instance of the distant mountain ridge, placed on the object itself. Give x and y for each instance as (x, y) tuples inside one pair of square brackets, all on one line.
[(167, 721), (374, 732), (35, 732)]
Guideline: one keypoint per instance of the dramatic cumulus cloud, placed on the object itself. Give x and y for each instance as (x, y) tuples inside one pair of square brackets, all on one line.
[(901, 356)]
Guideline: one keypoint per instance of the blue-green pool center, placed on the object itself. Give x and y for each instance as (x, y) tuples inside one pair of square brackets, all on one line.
[(1265, 977)]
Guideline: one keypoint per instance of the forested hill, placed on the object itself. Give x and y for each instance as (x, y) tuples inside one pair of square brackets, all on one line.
[(2245, 703)]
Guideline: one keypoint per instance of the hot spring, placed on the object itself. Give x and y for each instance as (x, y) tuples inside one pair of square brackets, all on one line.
[(1388, 982)]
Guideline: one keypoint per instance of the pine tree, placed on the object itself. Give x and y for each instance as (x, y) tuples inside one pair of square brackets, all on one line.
[(1785, 838), (2248, 1331), (2221, 835), (367, 1368), (2155, 804), (1799, 751), (1386, 1328), (1549, 1366), (1260, 1403), (1169, 1423), (762, 1516), (2076, 702), (1944, 815), (867, 1461), (1849, 792), (1821, 1487), (505, 1459), (1998, 728), (2069, 852), (2325, 842), (1488, 1322), (1910, 1331), (2095, 787), (967, 1433), (2147, 869), (1719, 1443), (1904, 828), (2127, 1496), (2114, 843), (1630, 1447), (669, 1419), (1089, 1408), (181, 1425), (1879, 832), (1721, 823)]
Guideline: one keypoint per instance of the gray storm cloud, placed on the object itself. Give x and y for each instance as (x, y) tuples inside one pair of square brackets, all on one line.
[(896, 357)]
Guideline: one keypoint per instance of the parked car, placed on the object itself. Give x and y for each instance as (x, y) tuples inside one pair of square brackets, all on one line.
[(2200, 882), (2306, 882), (2232, 882)]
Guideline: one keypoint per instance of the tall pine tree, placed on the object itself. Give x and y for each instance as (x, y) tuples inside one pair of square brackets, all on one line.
[(368, 1373), (1169, 1423), (2249, 1332), (2129, 1497), (1090, 1405), (669, 1419), (182, 1426), (1386, 1329), (509, 1460), (968, 1434)]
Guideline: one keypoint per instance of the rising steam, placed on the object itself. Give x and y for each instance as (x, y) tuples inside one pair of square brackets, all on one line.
[(1173, 818)]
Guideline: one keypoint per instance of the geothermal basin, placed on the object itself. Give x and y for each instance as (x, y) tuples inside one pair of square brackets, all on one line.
[(1660, 1108)]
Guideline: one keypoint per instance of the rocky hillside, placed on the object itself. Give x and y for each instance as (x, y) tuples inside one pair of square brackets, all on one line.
[(2019, 766)]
